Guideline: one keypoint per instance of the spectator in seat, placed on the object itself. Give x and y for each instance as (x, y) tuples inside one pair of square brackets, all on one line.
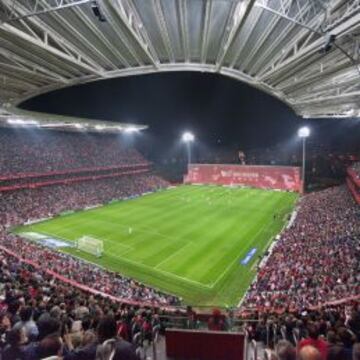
[(5, 327), (314, 340), (110, 346), (309, 352), (26, 322), (216, 322), (356, 351), (47, 326), (346, 339), (14, 349), (336, 353), (285, 350), (50, 348)]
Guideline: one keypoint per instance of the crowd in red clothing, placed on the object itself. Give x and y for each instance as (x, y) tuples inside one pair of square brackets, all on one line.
[(24, 152), (317, 259), (17, 207), (41, 317), (330, 333), (356, 167), (84, 273)]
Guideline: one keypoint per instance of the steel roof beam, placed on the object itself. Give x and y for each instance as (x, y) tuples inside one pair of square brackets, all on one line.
[(240, 15), (68, 47), (205, 31), (38, 8), (161, 21), (182, 14), (113, 15), (48, 48)]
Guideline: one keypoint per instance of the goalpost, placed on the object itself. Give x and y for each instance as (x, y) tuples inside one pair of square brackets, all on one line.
[(90, 245)]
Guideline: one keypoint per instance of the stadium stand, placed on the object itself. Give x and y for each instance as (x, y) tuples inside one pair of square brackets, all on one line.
[(316, 260), (52, 303), (353, 181), (22, 205), (47, 151)]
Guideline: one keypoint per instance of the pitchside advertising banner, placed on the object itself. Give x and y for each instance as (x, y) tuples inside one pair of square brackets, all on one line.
[(268, 177)]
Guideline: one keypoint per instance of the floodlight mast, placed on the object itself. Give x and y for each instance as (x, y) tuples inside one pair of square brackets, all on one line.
[(188, 138), (303, 133)]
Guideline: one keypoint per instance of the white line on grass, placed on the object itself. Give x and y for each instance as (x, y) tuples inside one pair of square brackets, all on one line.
[(173, 254), (140, 265), (162, 272), (237, 258)]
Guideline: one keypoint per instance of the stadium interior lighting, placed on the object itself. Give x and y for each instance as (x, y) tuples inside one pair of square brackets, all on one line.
[(131, 129), (304, 132), (22, 122), (99, 127), (79, 126), (188, 137)]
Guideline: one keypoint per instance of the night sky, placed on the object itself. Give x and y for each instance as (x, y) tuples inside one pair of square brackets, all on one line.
[(219, 110)]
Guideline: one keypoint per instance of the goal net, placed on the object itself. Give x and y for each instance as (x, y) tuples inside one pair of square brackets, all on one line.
[(90, 245)]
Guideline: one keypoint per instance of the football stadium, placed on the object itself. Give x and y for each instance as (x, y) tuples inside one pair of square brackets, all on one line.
[(179, 179)]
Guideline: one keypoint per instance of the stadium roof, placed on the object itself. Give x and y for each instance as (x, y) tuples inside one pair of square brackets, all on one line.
[(15, 117), (304, 52)]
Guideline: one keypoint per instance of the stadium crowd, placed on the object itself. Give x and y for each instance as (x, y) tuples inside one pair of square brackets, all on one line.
[(17, 207), (42, 318), (331, 333), (356, 167), (49, 151), (317, 259), (83, 273)]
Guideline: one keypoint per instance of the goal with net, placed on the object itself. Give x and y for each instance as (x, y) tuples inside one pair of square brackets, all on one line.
[(90, 245)]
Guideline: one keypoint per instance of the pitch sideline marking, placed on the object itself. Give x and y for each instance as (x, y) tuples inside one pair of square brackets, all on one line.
[(139, 264), (237, 258), (163, 272), (256, 235), (173, 254)]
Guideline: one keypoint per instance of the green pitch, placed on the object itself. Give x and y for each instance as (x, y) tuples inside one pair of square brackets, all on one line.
[(188, 241)]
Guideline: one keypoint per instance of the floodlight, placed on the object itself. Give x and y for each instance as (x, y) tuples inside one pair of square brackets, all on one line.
[(188, 137), (304, 132), (79, 126), (99, 127)]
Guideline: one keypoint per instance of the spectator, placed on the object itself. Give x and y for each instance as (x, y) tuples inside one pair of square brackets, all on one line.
[(314, 340), (356, 351), (26, 322), (309, 353), (109, 343), (285, 350), (51, 348), (14, 349), (216, 321)]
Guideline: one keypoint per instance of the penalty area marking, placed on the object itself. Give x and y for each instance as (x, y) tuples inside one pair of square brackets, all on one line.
[(140, 265)]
